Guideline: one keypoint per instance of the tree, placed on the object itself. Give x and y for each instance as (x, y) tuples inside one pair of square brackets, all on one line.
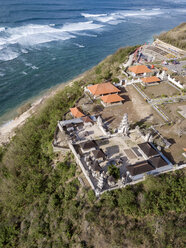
[(114, 171)]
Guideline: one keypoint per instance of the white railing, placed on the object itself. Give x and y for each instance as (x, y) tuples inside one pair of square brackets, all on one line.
[(173, 80)]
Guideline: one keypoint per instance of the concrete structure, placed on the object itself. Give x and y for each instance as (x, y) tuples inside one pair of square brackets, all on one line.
[(139, 70), (76, 112), (110, 100), (150, 81), (124, 125), (101, 89), (177, 83)]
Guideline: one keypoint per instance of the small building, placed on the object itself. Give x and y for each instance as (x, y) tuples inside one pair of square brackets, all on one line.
[(138, 170), (99, 155), (112, 99), (148, 150), (88, 146), (150, 81), (76, 112), (96, 167), (102, 89), (87, 121), (159, 164), (139, 70)]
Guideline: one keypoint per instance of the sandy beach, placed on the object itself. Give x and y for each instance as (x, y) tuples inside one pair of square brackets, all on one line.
[(7, 131)]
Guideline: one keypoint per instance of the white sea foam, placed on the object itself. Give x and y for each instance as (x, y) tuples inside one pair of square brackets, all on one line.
[(2, 29), (24, 50), (121, 16), (99, 17), (116, 22), (24, 73), (35, 67), (84, 34), (80, 26), (33, 34), (79, 45), (28, 64), (92, 15), (8, 54)]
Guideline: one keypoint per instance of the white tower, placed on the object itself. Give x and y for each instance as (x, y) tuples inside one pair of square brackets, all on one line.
[(99, 121), (124, 125)]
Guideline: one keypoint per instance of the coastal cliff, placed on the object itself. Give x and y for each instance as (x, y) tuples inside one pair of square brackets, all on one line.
[(43, 202)]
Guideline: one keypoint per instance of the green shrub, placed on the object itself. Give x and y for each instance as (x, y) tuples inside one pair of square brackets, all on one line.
[(114, 171)]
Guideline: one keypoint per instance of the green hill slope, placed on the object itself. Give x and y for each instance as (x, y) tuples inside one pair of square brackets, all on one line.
[(46, 207), (176, 36)]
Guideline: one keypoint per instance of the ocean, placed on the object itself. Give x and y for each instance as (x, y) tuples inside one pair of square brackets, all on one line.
[(48, 42)]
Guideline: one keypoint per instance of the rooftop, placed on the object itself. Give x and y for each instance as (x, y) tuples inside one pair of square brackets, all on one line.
[(138, 69), (148, 149), (76, 113), (88, 144), (140, 168), (112, 98), (150, 79), (95, 166), (86, 119), (98, 154), (157, 162), (102, 89), (71, 122)]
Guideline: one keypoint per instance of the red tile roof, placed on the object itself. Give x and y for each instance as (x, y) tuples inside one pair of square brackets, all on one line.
[(150, 79), (102, 89), (138, 69), (87, 119), (112, 98), (76, 113)]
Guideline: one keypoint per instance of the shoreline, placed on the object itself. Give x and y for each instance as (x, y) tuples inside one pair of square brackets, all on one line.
[(7, 130)]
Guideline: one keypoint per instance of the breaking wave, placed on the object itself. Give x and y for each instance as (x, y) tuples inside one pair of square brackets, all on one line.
[(14, 41), (121, 16)]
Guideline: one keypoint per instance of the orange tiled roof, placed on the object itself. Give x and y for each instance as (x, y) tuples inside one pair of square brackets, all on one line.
[(111, 98), (150, 79), (87, 119), (138, 69), (76, 113), (102, 89)]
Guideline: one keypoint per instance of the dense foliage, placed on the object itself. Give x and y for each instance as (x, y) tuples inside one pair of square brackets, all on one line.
[(114, 171), (42, 203)]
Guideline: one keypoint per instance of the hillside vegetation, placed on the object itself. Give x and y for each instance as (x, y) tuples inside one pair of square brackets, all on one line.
[(45, 206), (176, 36)]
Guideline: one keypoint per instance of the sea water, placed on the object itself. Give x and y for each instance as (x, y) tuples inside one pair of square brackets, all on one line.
[(47, 42)]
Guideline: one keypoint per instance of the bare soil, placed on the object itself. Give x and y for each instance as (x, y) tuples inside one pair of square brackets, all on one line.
[(174, 153), (156, 91), (136, 108), (171, 110)]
